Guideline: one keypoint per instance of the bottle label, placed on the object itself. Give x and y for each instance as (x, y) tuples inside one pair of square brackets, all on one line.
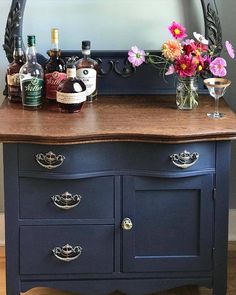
[(52, 80), (88, 76), (13, 80), (71, 98), (32, 90)]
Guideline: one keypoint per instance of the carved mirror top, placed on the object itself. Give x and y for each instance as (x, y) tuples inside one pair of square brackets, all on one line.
[(110, 60)]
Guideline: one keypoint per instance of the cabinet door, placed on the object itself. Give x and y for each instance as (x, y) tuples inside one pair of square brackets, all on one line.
[(172, 223)]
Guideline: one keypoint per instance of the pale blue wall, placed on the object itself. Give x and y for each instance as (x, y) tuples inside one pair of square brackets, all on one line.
[(129, 26)]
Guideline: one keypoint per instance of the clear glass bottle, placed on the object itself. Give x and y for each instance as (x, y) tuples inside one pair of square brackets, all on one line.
[(31, 78), (71, 92), (55, 68), (87, 71), (13, 78)]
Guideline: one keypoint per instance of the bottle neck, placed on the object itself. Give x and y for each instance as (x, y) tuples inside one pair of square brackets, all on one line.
[(18, 55), (86, 53), (71, 72), (55, 52), (31, 54)]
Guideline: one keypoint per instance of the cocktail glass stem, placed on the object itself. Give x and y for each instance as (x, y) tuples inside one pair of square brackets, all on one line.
[(217, 114)]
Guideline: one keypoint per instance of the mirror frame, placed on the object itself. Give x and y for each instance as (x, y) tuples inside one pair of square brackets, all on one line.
[(113, 65)]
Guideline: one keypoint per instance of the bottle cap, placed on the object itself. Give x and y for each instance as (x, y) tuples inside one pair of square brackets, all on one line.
[(54, 35), (17, 41), (31, 40), (86, 44)]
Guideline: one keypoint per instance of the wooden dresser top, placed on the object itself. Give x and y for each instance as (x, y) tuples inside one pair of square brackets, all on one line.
[(117, 118)]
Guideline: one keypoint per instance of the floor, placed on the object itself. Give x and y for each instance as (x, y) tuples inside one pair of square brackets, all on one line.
[(178, 291)]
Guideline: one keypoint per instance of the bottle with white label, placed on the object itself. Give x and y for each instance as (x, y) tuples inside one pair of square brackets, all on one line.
[(32, 78), (87, 71), (71, 92)]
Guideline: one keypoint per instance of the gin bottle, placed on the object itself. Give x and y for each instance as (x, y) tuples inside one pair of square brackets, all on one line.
[(31, 78)]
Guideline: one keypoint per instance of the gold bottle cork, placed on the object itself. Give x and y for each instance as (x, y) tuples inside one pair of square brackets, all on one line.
[(54, 35)]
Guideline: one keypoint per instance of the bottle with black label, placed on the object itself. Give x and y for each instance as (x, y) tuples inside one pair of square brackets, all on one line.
[(31, 78), (71, 92), (13, 78), (87, 71), (55, 68)]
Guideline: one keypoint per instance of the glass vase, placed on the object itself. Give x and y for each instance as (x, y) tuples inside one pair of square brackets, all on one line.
[(187, 93)]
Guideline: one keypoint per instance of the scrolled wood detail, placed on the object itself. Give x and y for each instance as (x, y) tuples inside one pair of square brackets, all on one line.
[(13, 26), (213, 29)]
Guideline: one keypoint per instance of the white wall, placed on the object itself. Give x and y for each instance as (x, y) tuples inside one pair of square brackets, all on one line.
[(74, 29)]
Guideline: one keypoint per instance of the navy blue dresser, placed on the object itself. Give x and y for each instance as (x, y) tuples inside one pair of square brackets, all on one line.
[(105, 202)]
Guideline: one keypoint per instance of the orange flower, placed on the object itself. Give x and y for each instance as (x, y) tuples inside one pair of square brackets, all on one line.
[(172, 49)]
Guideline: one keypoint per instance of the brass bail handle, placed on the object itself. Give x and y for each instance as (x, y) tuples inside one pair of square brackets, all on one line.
[(127, 224)]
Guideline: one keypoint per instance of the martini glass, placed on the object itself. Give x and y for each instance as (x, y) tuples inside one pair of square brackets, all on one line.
[(217, 88)]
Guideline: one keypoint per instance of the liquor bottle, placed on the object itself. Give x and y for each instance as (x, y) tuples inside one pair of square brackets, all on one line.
[(55, 68), (31, 78), (13, 78), (71, 92), (87, 71)]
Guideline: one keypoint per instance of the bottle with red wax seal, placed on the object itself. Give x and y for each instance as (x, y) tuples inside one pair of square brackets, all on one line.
[(71, 92), (55, 68)]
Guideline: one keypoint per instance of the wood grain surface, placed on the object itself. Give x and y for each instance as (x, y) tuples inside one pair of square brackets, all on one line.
[(117, 118), (177, 291)]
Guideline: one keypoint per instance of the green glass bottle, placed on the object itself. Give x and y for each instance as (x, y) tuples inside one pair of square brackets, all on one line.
[(31, 78)]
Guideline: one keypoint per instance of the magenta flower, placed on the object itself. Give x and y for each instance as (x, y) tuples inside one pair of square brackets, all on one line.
[(230, 49), (136, 56), (185, 66), (177, 30), (217, 67)]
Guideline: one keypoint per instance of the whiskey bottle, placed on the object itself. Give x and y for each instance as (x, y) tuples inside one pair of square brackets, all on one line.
[(13, 78), (55, 68), (31, 78), (87, 71), (71, 92)]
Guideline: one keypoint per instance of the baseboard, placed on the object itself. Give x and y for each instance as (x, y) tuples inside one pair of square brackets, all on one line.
[(232, 227), (2, 230)]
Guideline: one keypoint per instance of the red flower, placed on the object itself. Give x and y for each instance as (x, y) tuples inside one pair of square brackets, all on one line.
[(189, 48)]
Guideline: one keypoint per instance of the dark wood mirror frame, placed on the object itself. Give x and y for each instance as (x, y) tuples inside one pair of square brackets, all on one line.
[(116, 74)]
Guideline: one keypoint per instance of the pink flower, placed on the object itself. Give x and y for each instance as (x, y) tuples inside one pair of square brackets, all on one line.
[(177, 31), (217, 67), (230, 49), (185, 66), (170, 71), (136, 56)]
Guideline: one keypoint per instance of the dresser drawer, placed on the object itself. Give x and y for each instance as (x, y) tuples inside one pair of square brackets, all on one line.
[(118, 156), (66, 249), (88, 198)]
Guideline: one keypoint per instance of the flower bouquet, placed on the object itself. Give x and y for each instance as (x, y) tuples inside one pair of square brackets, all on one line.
[(188, 59)]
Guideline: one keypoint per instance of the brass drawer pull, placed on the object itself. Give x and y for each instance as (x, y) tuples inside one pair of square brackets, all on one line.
[(127, 224), (49, 160), (67, 253), (66, 201), (185, 159)]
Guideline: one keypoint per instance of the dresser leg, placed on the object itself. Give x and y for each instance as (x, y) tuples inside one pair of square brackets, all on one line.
[(220, 287)]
